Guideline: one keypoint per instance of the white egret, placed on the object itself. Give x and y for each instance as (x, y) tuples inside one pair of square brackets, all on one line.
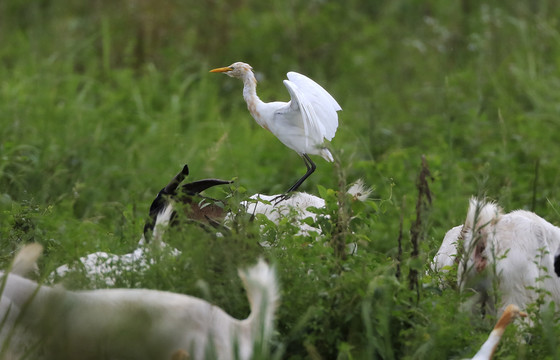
[(302, 124)]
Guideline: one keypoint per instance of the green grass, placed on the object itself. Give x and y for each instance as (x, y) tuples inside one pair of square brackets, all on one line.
[(102, 103)]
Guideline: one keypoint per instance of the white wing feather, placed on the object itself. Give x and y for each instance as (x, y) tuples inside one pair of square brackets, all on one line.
[(311, 126), (317, 106)]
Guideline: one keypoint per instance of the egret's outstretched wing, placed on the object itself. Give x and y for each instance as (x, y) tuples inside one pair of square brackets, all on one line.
[(312, 126), (324, 106)]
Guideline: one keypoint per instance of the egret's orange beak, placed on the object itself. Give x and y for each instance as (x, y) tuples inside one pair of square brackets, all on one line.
[(222, 69)]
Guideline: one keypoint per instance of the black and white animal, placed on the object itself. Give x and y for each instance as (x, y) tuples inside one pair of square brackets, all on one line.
[(53, 323), (516, 250), (212, 214), (199, 209)]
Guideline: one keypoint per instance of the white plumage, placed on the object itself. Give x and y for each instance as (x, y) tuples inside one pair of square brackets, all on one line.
[(302, 124), (315, 106)]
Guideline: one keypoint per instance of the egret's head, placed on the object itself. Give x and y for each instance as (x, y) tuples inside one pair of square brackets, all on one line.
[(237, 70)]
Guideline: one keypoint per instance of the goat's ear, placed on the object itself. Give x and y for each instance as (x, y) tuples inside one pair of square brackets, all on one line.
[(26, 259), (177, 179), (196, 187)]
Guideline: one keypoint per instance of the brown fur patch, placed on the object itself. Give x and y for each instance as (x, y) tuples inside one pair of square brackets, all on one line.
[(204, 210), (480, 260), (508, 316), (180, 355)]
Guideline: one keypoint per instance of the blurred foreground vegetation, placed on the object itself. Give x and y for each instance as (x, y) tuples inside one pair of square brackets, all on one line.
[(102, 102)]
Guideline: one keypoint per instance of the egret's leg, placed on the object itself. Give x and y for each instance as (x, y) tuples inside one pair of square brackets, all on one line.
[(310, 165), (310, 169)]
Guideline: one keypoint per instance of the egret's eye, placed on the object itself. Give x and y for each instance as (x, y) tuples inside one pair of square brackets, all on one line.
[(232, 68)]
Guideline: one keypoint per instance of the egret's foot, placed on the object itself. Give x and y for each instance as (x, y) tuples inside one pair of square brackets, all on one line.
[(280, 198)]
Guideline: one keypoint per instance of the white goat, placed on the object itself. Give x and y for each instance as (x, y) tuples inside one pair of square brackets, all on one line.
[(298, 204), (447, 253), (134, 323), (107, 268), (516, 250)]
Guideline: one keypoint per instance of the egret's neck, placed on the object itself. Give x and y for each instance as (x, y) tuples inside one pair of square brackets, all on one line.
[(249, 87), (250, 96)]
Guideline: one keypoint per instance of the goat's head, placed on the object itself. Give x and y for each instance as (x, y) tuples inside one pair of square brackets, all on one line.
[(198, 208)]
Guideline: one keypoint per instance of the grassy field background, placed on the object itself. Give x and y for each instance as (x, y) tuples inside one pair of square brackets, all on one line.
[(101, 103)]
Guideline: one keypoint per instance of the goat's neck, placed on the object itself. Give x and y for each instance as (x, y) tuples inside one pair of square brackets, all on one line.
[(22, 292)]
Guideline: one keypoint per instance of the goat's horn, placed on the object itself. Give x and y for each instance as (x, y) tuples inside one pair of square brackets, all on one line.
[(160, 201), (201, 185), (177, 179)]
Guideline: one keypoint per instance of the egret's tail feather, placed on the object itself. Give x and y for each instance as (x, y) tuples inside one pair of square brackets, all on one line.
[(326, 154)]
